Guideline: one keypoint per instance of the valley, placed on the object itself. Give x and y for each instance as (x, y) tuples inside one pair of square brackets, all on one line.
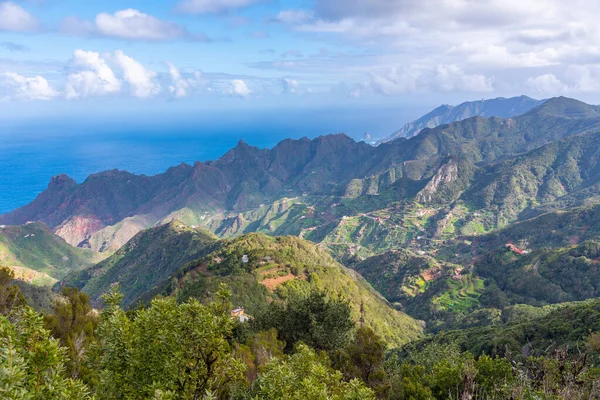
[(467, 234)]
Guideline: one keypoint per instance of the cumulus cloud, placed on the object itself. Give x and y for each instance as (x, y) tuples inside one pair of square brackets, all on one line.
[(17, 87), (92, 76), (212, 6), (441, 78), (141, 80), (450, 78), (583, 78), (14, 18), (180, 85), (546, 84), (133, 24), (237, 88), (398, 80), (130, 24), (575, 80)]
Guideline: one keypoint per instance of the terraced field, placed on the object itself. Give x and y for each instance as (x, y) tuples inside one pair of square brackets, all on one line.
[(463, 294)]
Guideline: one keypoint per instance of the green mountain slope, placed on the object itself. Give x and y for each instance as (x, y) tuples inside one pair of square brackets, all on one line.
[(278, 266), (554, 229), (541, 277), (34, 248), (427, 289), (108, 208), (159, 261), (567, 325), (145, 261)]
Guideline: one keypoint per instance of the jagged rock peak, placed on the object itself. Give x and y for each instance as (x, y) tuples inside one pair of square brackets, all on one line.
[(62, 180)]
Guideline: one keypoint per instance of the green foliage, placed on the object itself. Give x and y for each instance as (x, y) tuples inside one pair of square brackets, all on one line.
[(569, 325), (409, 383), (456, 375), (74, 322), (258, 352), (10, 294), (543, 277), (144, 262), (315, 320), (32, 365), (307, 374), (363, 359), (168, 349), (305, 268)]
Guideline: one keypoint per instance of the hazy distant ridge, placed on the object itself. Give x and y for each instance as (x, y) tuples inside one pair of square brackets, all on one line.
[(446, 114)]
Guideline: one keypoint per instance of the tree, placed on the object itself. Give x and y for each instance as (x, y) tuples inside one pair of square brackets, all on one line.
[(319, 322), (258, 351), (307, 375), (74, 323), (363, 359), (409, 382), (265, 346), (32, 364), (169, 350), (10, 294)]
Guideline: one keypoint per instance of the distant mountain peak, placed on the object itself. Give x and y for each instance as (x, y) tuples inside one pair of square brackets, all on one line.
[(566, 106), (445, 114)]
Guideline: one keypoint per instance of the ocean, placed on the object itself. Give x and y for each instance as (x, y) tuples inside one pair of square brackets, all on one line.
[(32, 152)]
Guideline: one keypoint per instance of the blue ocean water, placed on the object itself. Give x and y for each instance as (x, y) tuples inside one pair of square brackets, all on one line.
[(32, 152)]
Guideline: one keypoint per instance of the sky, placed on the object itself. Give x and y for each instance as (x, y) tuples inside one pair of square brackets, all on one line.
[(134, 57)]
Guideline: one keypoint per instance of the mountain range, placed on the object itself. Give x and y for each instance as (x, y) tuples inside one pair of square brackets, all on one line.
[(306, 187), (425, 220), (446, 114)]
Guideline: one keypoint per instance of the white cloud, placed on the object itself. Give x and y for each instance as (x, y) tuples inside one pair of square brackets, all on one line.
[(237, 88), (496, 56), (576, 79), (396, 81), (93, 76), (130, 24), (141, 80), (289, 85), (584, 78), (451, 78), (179, 85), (441, 78), (503, 39), (14, 18), (212, 6), (133, 24), (294, 17), (18, 87), (546, 84)]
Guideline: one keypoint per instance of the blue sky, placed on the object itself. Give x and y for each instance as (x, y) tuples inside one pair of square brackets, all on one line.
[(75, 56)]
